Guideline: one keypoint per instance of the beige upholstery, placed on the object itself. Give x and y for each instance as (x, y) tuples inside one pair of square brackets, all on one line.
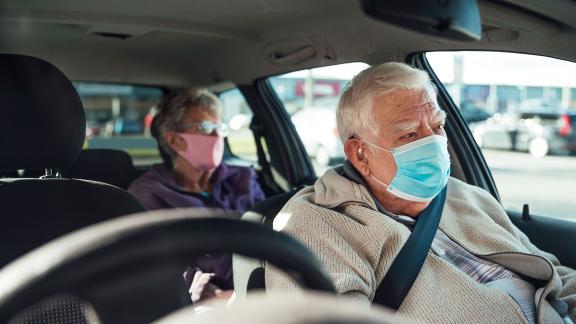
[(285, 309), (242, 266)]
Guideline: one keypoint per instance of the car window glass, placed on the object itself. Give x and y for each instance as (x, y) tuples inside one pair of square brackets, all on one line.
[(311, 97), (118, 116), (521, 110), (238, 115)]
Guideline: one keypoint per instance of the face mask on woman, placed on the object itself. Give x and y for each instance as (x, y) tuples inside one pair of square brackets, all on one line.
[(423, 168), (204, 152)]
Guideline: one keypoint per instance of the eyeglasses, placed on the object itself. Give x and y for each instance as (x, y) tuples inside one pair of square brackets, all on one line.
[(207, 128)]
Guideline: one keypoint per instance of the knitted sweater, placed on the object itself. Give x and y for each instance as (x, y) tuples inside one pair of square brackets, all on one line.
[(338, 220)]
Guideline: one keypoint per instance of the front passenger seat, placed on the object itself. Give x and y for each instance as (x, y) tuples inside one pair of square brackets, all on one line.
[(42, 126), (249, 272)]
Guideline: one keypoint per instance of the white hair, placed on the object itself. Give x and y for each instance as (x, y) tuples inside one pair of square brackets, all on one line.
[(355, 111)]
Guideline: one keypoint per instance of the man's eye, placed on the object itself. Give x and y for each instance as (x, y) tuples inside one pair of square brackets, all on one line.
[(409, 135)]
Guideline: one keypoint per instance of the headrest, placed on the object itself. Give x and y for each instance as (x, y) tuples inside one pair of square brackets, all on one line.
[(155, 131), (154, 128), (42, 123), (109, 166)]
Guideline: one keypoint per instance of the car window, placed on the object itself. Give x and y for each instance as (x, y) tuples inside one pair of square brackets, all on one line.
[(310, 97), (521, 110), (118, 116), (238, 115)]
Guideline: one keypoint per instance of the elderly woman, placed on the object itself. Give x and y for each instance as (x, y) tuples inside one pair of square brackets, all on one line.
[(480, 267), (192, 135)]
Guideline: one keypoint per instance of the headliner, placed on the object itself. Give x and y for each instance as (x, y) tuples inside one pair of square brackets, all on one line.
[(181, 42)]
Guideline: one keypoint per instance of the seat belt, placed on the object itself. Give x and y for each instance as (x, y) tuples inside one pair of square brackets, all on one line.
[(256, 128), (397, 282)]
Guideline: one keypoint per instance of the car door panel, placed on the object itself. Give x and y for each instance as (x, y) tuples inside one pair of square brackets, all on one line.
[(552, 235)]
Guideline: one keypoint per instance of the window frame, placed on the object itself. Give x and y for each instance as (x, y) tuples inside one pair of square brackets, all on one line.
[(229, 154), (548, 233), (468, 156)]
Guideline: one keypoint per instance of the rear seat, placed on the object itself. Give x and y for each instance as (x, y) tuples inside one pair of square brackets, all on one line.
[(113, 167), (8, 174)]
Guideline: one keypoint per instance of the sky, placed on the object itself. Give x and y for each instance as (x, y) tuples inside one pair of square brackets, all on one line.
[(505, 68), (478, 68)]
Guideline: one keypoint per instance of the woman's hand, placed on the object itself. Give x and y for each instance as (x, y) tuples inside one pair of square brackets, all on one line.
[(201, 287), (223, 294)]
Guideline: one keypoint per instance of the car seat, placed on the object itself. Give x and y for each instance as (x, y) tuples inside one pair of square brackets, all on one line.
[(155, 132), (249, 272), (114, 167), (43, 127)]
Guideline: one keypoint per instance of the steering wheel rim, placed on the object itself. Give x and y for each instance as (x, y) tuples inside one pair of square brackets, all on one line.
[(74, 259)]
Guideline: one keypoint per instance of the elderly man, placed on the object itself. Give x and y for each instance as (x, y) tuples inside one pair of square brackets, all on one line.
[(480, 268)]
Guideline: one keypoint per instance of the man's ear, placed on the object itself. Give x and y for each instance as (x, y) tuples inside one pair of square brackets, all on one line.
[(356, 153), (175, 142)]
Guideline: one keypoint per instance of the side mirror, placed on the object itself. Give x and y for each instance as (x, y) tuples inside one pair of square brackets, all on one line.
[(451, 19)]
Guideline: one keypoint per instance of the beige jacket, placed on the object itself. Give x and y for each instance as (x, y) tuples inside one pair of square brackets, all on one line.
[(337, 219)]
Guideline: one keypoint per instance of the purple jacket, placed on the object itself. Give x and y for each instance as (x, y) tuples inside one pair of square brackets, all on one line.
[(233, 188)]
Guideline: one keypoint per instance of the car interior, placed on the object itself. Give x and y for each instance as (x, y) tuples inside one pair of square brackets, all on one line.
[(76, 243)]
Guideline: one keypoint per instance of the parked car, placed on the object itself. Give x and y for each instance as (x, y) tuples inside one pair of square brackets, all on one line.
[(94, 128), (539, 132), (473, 114), (317, 129), (122, 126)]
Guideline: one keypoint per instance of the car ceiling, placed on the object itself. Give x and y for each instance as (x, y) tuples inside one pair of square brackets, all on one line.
[(192, 42)]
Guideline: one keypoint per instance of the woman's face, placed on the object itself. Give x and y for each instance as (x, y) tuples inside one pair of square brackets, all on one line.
[(193, 119), (192, 122)]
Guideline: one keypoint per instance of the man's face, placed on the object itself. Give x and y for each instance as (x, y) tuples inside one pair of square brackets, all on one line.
[(404, 116)]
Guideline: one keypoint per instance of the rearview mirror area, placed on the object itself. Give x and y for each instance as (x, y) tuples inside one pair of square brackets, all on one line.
[(456, 20)]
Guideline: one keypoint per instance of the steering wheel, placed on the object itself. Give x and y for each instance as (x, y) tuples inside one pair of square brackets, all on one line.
[(130, 268)]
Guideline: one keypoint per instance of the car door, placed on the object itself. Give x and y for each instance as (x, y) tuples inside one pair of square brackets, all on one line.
[(537, 192)]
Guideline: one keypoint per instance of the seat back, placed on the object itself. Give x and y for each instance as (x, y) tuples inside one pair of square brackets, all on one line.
[(36, 211), (43, 127), (155, 131), (249, 272), (114, 167)]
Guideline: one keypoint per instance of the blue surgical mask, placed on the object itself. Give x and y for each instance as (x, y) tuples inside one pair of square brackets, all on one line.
[(423, 168)]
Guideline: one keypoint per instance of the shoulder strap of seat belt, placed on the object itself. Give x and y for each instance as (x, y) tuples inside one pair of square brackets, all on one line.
[(406, 266), (256, 128)]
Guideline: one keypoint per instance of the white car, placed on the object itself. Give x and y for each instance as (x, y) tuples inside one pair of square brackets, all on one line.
[(317, 129)]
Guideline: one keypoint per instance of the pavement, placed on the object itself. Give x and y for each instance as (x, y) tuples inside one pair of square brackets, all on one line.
[(547, 184)]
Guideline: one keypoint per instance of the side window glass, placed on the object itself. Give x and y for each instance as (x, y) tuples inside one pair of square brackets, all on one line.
[(311, 97), (118, 116), (521, 110), (238, 115)]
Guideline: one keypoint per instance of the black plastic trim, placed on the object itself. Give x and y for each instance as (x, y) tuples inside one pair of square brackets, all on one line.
[(292, 158), (544, 232)]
